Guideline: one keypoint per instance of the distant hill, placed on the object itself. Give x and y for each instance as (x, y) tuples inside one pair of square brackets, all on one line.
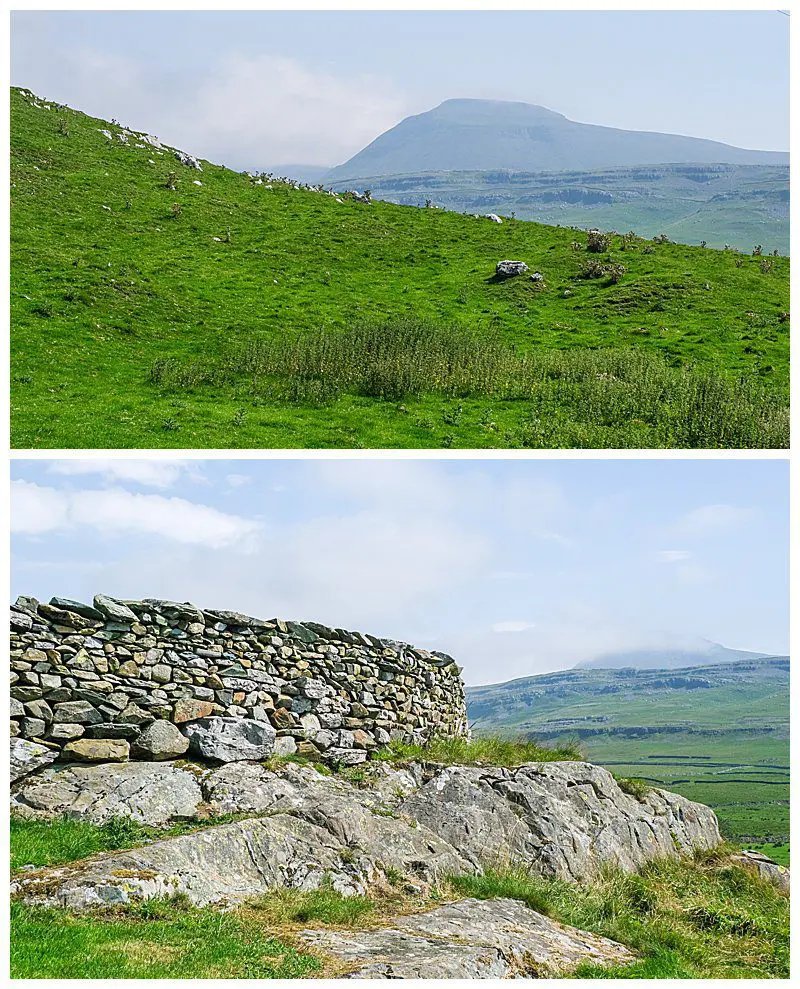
[(491, 134), (719, 204), (669, 659), (718, 732)]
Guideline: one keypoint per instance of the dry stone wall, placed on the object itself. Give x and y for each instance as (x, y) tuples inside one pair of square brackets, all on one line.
[(156, 680)]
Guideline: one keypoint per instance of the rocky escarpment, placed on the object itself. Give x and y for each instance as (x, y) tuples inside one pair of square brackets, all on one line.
[(563, 820), (153, 680)]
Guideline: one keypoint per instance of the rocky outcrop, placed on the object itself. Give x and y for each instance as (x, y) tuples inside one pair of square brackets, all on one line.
[(561, 819), (470, 939), (309, 836), (764, 866), (149, 793), (236, 687)]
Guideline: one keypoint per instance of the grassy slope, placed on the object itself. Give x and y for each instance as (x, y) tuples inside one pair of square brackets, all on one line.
[(98, 294), (744, 777)]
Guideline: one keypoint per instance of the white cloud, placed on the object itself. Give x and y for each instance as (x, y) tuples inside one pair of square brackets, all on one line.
[(237, 480), (709, 519), (149, 473), (512, 626), (242, 111), (672, 555), (36, 510)]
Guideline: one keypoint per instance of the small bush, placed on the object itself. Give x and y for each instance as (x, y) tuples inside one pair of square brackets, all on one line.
[(598, 242)]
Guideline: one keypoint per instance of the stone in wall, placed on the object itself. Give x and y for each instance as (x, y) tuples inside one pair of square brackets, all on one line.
[(156, 678)]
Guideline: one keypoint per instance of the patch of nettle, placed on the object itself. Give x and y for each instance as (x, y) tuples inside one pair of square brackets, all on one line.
[(617, 390)]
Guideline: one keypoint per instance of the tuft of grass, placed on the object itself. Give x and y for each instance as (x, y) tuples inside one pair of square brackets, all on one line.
[(686, 918), (323, 907), (65, 839), (154, 941), (488, 750), (633, 786)]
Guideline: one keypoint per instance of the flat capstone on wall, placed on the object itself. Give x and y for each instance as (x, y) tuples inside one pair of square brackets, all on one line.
[(155, 679)]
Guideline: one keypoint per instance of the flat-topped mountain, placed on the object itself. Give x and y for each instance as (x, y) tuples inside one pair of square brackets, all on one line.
[(670, 658), (484, 134)]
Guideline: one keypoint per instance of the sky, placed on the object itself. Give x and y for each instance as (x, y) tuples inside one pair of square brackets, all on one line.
[(257, 89), (514, 567)]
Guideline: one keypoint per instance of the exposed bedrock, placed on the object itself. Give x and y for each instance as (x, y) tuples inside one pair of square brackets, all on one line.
[(557, 819)]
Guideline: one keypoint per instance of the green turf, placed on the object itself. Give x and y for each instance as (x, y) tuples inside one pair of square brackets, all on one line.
[(153, 941), (113, 272)]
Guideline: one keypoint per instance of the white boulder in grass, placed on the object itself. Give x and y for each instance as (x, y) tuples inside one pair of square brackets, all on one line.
[(509, 269)]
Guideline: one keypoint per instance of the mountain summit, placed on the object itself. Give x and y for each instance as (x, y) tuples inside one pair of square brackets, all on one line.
[(461, 135)]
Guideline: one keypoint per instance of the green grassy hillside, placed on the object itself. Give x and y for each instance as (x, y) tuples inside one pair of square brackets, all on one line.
[(717, 734), (152, 311)]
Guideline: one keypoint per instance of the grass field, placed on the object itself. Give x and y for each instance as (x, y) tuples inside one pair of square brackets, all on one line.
[(135, 291)]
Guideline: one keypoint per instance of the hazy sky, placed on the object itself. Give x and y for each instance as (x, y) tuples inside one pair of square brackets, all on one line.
[(515, 567), (253, 89)]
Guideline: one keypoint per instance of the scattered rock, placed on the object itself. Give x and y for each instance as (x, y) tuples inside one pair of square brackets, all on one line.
[(188, 160), (510, 269), (765, 867), (469, 939)]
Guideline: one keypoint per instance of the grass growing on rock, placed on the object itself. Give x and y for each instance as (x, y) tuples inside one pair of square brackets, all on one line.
[(686, 918), (488, 750), (700, 918), (156, 940), (67, 839), (126, 312)]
